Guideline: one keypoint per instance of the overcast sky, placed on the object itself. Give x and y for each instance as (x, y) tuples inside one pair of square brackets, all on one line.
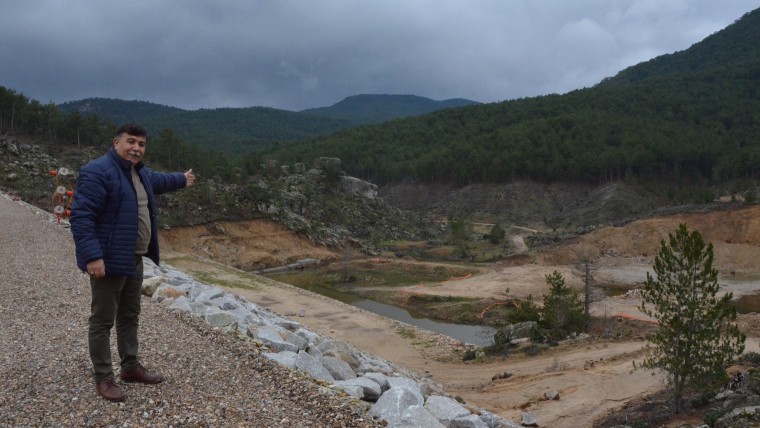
[(300, 54)]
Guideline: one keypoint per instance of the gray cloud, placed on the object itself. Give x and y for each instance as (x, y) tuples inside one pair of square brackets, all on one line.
[(299, 54)]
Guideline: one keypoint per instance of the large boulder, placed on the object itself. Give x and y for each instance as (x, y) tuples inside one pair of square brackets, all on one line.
[(220, 318), (280, 339), (392, 405), (339, 369), (410, 384), (445, 409), (286, 358), (528, 420), (511, 332), (166, 292), (370, 389), (417, 417), (205, 294), (150, 285), (313, 367), (181, 304), (356, 186)]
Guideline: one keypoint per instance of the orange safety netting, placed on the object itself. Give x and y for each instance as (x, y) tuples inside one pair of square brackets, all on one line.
[(469, 275), (633, 317), (509, 302)]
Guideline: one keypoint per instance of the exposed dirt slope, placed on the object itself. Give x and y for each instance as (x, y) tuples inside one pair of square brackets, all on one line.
[(246, 245), (735, 234), (624, 257)]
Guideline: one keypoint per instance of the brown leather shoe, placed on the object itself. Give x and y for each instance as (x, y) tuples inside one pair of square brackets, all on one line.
[(140, 375), (108, 389)]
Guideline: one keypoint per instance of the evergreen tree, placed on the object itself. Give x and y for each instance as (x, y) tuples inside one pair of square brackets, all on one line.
[(497, 234), (459, 232), (697, 336), (563, 310), (525, 311)]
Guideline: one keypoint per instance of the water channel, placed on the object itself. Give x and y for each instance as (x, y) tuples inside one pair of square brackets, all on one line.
[(475, 334)]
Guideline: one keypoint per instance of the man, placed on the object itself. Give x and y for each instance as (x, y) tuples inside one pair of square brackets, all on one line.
[(113, 220)]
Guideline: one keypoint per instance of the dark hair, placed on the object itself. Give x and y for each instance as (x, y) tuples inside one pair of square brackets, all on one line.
[(132, 129)]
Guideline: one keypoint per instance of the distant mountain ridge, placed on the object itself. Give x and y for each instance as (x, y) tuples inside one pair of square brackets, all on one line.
[(240, 130), (376, 108)]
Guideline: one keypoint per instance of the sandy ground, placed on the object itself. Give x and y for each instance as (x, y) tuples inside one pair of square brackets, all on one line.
[(592, 377), (587, 393)]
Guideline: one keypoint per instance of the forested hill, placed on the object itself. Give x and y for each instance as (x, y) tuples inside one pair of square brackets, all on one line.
[(367, 109), (240, 130), (736, 45), (230, 130), (687, 117)]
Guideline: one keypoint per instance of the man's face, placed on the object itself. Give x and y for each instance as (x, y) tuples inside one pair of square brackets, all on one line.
[(130, 147)]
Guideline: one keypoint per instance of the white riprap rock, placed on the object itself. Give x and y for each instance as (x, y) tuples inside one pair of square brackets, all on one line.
[(417, 417), (339, 369), (280, 339), (392, 405), (381, 380), (469, 421), (150, 285), (445, 409), (226, 302), (493, 421), (286, 358), (313, 367), (410, 384), (370, 389), (352, 390), (181, 304), (528, 420), (220, 318), (205, 294)]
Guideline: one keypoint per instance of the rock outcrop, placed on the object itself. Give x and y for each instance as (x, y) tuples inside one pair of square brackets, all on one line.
[(332, 211)]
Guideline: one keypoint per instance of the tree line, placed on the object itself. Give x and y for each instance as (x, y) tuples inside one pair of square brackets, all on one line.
[(20, 115), (687, 128)]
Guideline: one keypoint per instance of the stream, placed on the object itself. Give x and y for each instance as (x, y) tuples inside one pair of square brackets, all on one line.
[(479, 335)]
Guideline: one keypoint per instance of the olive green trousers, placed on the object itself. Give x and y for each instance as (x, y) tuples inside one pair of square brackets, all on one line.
[(115, 299)]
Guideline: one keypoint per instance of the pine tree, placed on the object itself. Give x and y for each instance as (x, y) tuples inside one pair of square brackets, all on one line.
[(563, 310), (697, 336), (497, 234)]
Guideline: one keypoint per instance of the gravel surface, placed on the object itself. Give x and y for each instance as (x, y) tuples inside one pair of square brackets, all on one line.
[(212, 379)]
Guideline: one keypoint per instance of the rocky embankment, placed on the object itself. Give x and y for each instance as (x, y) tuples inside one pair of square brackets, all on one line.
[(391, 394)]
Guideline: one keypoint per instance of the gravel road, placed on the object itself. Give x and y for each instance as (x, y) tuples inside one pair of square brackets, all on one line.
[(212, 379)]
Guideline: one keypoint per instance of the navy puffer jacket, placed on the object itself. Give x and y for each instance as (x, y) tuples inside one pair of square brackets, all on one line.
[(104, 213)]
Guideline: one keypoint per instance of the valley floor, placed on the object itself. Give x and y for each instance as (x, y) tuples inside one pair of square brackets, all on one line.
[(593, 377)]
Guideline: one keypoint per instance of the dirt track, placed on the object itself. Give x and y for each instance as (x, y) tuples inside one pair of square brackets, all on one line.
[(587, 392)]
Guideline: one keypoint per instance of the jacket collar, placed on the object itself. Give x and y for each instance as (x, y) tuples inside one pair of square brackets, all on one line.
[(123, 163)]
